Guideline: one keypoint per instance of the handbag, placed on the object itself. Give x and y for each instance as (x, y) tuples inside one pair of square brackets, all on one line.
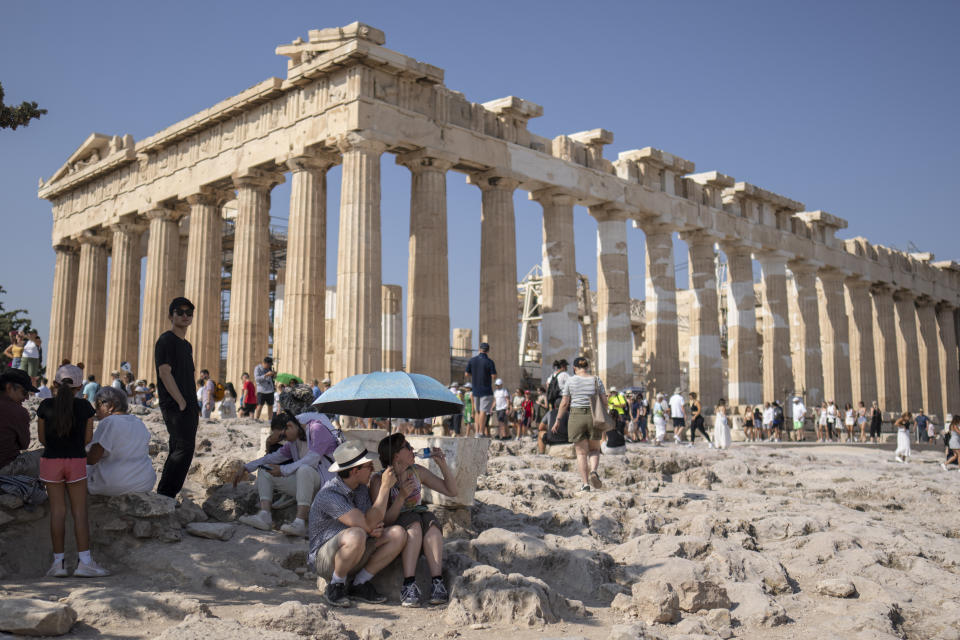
[(598, 410)]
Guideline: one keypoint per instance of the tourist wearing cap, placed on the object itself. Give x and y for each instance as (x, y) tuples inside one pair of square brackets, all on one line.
[(64, 427), (501, 402), (15, 386), (481, 370), (173, 357), (347, 530)]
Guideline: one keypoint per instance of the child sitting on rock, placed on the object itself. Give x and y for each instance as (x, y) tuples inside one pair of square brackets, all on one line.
[(405, 509)]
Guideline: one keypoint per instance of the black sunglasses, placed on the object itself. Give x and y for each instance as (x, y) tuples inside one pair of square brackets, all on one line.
[(184, 312)]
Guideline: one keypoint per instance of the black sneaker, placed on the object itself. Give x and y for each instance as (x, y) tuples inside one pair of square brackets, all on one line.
[(366, 593), (438, 593), (410, 595), (336, 595)]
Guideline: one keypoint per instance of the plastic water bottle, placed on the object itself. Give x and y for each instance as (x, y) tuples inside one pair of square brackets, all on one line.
[(423, 453)]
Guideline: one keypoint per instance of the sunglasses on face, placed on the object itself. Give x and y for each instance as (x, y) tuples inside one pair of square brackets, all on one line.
[(184, 312)]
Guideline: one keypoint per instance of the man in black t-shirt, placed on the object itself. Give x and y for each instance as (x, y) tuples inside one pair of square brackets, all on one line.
[(175, 380)]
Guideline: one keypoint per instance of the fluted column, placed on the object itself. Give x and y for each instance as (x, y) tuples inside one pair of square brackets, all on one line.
[(462, 343), (302, 340), (63, 306), (908, 351), (660, 307), (706, 366), (777, 363), (805, 334), (88, 334), (885, 349), (928, 339), (392, 332), (163, 246), (949, 363), (358, 315), (743, 358), (498, 274), (835, 332), (863, 364), (123, 303), (249, 328), (203, 277), (330, 330), (559, 326), (428, 288)]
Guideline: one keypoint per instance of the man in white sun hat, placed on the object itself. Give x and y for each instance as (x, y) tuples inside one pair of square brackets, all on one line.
[(501, 402), (346, 528)]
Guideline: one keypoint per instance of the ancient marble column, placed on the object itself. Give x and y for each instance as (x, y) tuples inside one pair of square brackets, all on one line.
[(614, 338), (660, 335), (330, 329), (91, 316), (805, 334), (777, 363), (121, 341), (559, 326), (835, 335), (743, 358), (63, 306), (302, 340), (249, 327), (499, 314), (908, 351), (949, 363), (203, 278), (428, 289), (463, 343), (885, 349), (163, 265), (706, 365), (928, 338), (392, 304), (358, 335), (863, 363)]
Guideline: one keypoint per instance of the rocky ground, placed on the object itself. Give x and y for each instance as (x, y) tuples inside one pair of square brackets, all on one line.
[(814, 541)]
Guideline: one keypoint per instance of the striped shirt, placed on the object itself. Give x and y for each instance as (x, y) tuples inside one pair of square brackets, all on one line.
[(581, 389), (332, 501)]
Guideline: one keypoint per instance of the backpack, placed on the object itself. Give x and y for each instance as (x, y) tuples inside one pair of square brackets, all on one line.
[(777, 414), (219, 391), (553, 390)]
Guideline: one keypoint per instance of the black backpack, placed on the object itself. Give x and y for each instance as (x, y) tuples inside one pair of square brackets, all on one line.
[(553, 391), (777, 414)]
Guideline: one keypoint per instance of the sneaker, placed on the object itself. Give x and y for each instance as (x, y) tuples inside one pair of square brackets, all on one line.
[(410, 595), (257, 521), (709, 445), (90, 570), (438, 593), (585, 487), (676, 439), (595, 480), (942, 466), (366, 593), (283, 502), (296, 528), (336, 595), (59, 569)]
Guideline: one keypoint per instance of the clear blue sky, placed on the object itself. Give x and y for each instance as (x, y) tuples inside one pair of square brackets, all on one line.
[(849, 107)]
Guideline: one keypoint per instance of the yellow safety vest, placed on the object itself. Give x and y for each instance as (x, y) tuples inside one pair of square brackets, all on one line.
[(616, 402)]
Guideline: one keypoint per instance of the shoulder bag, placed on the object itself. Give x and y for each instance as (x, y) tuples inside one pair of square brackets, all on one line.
[(598, 409)]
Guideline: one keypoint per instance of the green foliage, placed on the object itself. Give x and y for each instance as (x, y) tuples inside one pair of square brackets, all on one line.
[(13, 117), (10, 321)]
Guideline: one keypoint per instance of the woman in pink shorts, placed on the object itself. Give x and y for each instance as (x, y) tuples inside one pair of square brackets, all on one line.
[(64, 427)]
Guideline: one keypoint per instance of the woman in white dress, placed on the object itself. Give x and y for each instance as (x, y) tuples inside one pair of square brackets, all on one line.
[(903, 436), (228, 406), (660, 410), (721, 426), (118, 458)]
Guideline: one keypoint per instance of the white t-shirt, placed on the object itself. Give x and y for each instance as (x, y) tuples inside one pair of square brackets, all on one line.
[(501, 399), (676, 406), (117, 384), (799, 411), (31, 350), (768, 416), (125, 466)]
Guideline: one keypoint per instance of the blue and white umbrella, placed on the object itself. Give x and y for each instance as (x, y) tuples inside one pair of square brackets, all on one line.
[(389, 394)]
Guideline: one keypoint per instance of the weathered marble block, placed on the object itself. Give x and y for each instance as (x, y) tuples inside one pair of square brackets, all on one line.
[(466, 457)]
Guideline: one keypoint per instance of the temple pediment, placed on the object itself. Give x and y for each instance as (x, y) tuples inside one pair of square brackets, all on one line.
[(97, 149)]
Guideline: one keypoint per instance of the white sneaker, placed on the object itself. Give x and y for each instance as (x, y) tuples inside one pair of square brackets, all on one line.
[(257, 521), (59, 569), (676, 439), (709, 445), (90, 570), (296, 528)]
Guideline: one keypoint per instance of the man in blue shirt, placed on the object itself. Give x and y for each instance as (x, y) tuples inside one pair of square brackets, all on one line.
[(481, 370)]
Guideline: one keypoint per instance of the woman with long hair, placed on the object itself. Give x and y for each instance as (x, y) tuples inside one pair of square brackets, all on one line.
[(64, 427), (876, 423), (585, 437), (903, 436), (721, 426), (228, 406), (849, 420), (953, 443)]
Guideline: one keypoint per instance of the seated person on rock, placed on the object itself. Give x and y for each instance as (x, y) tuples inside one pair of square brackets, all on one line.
[(15, 386), (347, 530), (298, 400), (424, 534), (301, 477), (118, 457)]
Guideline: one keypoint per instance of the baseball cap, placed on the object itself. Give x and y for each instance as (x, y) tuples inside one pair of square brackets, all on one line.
[(484, 346), (499, 381), (69, 372), (20, 377)]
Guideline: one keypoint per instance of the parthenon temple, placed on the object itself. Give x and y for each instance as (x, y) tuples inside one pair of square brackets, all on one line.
[(840, 319)]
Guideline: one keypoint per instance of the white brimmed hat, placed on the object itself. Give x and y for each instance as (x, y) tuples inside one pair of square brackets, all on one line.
[(499, 381), (350, 454)]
